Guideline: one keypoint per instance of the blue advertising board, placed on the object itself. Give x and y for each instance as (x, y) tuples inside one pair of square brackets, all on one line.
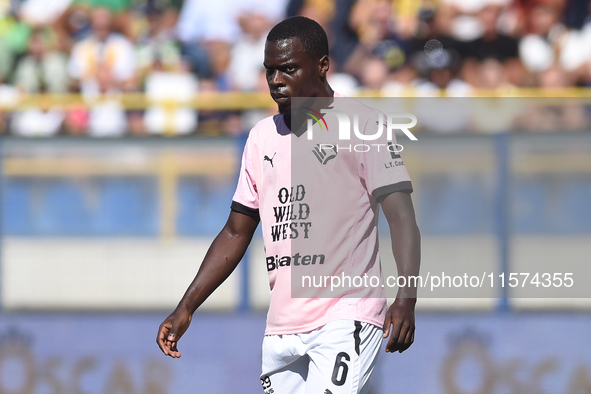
[(452, 354)]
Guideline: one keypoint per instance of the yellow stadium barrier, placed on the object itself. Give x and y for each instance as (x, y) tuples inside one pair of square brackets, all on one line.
[(255, 100)]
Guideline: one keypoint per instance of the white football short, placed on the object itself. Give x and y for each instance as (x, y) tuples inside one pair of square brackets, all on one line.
[(337, 358)]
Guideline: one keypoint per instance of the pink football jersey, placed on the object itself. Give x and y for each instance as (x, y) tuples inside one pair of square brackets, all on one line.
[(318, 200)]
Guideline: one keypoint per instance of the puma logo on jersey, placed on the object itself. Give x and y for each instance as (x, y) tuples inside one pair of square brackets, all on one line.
[(327, 391), (270, 160)]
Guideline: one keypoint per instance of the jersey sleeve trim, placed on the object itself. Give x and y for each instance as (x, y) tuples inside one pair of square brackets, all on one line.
[(243, 209), (382, 192)]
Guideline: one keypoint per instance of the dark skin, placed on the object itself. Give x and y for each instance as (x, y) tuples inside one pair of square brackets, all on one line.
[(291, 72), (221, 259), (399, 323)]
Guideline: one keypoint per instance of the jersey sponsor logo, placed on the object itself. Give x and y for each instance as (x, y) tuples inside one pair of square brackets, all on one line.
[(324, 152), (270, 160), (290, 216), (275, 262), (290, 230)]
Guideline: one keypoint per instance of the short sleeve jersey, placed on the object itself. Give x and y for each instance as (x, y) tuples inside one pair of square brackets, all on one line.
[(319, 209)]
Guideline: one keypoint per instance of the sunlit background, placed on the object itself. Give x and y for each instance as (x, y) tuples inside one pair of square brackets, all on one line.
[(122, 123)]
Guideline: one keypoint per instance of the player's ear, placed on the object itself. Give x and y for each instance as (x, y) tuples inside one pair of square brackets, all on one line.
[(323, 65)]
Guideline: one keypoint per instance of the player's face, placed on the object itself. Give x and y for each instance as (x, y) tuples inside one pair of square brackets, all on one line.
[(290, 72)]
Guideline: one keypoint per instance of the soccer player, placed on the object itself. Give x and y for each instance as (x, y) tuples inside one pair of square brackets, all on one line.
[(316, 344)]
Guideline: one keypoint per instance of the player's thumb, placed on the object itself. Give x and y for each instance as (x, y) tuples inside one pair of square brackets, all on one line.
[(172, 333), (386, 326)]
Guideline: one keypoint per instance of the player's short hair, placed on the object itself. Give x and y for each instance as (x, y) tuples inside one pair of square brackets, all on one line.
[(311, 35)]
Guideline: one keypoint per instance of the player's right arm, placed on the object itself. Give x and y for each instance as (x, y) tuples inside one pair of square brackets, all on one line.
[(221, 259)]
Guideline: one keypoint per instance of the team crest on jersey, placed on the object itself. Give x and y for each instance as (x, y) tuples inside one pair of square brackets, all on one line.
[(324, 152), (395, 154)]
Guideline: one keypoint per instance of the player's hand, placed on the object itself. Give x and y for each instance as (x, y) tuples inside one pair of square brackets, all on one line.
[(400, 325), (171, 330)]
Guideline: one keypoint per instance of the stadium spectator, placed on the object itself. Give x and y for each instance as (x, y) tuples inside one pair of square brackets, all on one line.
[(438, 70), (251, 117), (72, 26), (106, 117), (344, 38), (157, 44), (6, 60), (545, 36), (435, 54), (492, 75), (104, 48), (576, 13), (373, 22), (120, 9), (374, 73), (321, 11), (14, 33), (41, 69), (103, 63), (575, 54), (586, 41), (8, 95), (206, 29), (492, 45), (170, 91), (372, 19), (454, 45), (246, 57), (159, 59)]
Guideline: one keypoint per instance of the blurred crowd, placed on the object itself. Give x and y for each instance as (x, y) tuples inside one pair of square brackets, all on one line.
[(176, 49)]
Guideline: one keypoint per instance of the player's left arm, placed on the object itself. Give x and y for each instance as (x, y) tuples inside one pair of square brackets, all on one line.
[(406, 239)]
